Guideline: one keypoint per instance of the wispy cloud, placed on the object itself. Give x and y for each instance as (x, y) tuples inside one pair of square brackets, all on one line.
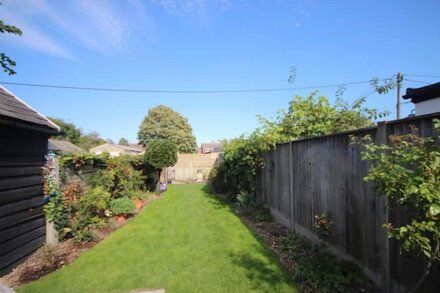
[(193, 9), (54, 29)]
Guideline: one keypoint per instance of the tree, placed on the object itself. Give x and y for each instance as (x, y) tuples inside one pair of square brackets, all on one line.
[(164, 123), (123, 141), (161, 153), (68, 131), (91, 140), (5, 62)]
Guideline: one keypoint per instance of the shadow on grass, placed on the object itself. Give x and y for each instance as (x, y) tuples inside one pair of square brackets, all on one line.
[(257, 271), (217, 202)]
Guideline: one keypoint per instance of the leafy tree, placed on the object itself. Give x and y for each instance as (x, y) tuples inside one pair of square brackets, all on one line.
[(5, 62), (123, 141), (161, 153), (314, 116), (68, 131), (408, 173), (90, 140), (164, 123)]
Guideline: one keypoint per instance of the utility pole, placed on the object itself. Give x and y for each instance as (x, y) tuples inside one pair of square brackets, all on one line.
[(399, 85)]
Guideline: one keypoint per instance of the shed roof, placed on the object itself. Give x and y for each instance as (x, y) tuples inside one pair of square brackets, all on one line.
[(15, 110), (425, 93)]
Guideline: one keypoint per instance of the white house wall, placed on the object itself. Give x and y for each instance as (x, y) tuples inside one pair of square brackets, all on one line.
[(427, 107)]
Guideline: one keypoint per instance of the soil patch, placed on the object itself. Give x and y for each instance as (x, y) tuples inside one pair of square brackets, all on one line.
[(274, 234)]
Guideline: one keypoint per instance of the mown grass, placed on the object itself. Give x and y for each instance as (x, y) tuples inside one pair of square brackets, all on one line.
[(186, 242)]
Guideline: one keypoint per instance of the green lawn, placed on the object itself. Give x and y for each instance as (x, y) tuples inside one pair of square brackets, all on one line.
[(187, 241)]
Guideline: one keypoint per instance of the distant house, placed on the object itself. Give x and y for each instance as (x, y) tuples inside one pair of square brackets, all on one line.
[(426, 99), (59, 146), (213, 147), (116, 149), (24, 137)]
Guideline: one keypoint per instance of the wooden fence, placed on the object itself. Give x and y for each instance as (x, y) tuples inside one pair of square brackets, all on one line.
[(325, 174)]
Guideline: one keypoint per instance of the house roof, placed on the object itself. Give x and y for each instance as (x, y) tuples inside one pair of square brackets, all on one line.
[(109, 146), (421, 94), (63, 146), (15, 111), (212, 147)]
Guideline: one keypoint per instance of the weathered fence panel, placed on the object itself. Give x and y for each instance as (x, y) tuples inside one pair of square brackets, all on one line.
[(325, 174)]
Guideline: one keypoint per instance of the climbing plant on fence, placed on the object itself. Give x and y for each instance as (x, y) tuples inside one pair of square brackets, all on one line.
[(305, 117), (54, 208), (407, 172)]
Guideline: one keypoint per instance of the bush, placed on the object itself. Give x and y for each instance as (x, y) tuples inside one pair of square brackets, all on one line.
[(119, 179), (94, 203), (246, 200), (122, 206), (90, 213), (138, 194)]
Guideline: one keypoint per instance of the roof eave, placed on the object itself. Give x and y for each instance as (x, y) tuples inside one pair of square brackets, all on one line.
[(27, 125)]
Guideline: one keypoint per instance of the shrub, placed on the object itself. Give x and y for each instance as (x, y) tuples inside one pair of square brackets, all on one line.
[(246, 200), (138, 194), (119, 179), (122, 206), (94, 203), (407, 172)]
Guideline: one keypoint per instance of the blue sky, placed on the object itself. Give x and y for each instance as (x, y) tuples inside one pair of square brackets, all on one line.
[(211, 45)]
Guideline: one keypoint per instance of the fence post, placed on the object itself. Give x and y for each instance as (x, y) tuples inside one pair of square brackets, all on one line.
[(292, 199), (51, 232), (382, 217)]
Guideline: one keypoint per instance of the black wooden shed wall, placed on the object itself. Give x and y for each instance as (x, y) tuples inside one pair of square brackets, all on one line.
[(22, 222)]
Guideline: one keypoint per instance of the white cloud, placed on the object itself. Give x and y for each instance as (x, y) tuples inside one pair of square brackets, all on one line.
[(57, 27)]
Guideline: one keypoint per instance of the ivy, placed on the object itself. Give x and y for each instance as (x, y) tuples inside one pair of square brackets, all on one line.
[(54, 208)]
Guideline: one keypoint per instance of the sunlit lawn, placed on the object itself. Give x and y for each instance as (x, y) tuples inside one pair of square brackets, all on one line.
[(185, 242)]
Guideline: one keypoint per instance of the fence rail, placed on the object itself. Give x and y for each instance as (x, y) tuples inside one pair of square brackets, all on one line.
[(325, 174)]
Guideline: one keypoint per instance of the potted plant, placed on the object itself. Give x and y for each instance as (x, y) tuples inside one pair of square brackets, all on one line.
[(121, 208), (138, 199)]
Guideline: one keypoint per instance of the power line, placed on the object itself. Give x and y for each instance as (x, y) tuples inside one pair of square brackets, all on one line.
[(417, 81), (184, 91), (422, 75)]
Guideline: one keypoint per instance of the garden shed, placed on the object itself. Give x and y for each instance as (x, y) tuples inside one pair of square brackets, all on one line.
[(24, 136)]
